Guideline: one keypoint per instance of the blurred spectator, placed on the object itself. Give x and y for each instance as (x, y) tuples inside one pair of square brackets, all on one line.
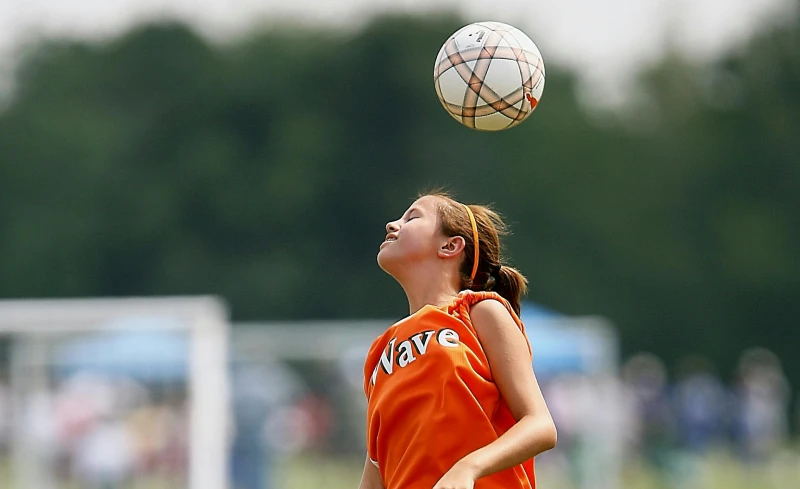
[(762, 397), (104, 455), (314, 417), (261, 391), (561, 392), (40, 434), (701, 405), (593, 417), (653, 434), (150, 428)]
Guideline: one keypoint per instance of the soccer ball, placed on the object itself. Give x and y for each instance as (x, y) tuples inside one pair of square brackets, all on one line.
[(489, 76)]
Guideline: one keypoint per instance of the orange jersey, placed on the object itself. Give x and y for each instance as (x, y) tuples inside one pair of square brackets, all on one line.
[(431, 399)]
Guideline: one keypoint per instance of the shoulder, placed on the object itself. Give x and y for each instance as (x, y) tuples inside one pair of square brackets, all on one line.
[(485, 305), (490, 316), (490, 310), (493, 320)]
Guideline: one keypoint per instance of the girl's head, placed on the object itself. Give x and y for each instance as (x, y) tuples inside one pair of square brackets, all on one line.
[(436, 234)]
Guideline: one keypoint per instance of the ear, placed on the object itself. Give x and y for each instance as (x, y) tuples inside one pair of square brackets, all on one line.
[(452, 247)]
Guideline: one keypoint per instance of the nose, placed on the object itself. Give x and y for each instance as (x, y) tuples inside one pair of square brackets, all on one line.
[(392, 227)]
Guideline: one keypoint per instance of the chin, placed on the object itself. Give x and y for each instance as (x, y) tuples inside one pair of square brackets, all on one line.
[(385, 262), (381, 260)]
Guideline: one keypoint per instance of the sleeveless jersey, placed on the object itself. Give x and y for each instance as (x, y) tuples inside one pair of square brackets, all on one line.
[(431, 399)]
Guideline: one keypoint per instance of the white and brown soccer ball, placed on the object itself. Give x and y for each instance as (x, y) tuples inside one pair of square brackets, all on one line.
[(489, 76)]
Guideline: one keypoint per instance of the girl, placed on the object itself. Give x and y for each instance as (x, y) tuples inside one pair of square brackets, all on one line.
[(452, 399)]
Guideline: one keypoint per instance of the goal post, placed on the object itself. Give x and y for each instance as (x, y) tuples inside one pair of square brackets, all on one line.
[(33, 326)]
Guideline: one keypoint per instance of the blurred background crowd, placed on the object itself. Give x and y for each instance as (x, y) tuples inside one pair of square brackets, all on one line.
[(299, 424)]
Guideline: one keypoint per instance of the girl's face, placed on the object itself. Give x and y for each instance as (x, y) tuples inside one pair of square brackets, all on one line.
[(414, 238)]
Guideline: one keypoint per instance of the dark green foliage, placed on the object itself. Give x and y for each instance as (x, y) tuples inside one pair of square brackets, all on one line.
[(265, 171)]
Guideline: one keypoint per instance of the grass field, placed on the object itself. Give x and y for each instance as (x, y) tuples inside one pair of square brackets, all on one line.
[(717, 471)]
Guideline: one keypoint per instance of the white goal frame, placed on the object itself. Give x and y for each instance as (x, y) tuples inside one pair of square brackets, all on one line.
[(204, 319)]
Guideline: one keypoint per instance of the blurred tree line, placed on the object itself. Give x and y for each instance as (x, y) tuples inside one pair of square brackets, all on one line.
[(265, 170)]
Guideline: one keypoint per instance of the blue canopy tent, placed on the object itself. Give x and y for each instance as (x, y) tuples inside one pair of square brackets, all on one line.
[(145, 355), (563, 344)]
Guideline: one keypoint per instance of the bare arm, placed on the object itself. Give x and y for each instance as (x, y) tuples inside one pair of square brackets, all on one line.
[(370, 478), (510, 361)]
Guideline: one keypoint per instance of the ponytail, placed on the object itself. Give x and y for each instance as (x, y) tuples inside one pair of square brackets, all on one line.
[(511, 285)]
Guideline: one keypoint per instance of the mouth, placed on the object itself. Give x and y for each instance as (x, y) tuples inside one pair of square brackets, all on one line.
[(389, 239)]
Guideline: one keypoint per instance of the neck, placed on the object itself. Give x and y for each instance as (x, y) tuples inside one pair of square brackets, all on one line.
[(436, 289)]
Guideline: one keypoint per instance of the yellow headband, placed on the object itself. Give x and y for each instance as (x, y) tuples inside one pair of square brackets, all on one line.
[(475, 239)]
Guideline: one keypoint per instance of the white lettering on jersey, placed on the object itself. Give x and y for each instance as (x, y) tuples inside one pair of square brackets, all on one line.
[(448, 338), (403, 354), (422, 344), (386, 362)]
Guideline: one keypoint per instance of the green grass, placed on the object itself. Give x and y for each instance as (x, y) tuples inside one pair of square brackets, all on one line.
[(715, 471), (307, 472)]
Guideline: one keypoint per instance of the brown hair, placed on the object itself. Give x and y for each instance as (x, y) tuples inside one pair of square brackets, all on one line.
[(492, 274)]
